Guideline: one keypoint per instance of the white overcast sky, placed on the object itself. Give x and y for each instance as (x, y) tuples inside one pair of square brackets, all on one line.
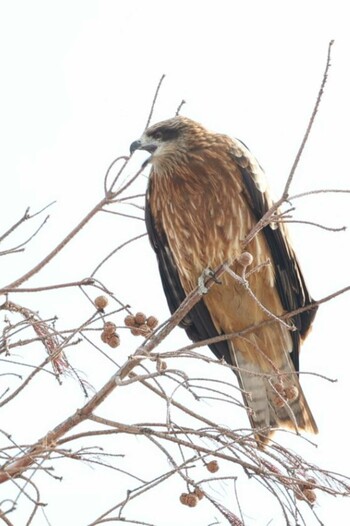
[(77, 79)]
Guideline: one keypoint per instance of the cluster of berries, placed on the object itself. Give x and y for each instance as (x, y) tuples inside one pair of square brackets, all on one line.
[(109, 335), (191, 499), (140, 325), (284, 394)]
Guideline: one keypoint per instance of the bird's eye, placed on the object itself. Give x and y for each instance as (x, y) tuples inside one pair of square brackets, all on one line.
[(157, 135), (165, 134)]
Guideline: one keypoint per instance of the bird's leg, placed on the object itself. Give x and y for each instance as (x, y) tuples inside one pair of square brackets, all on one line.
[(207, 273)]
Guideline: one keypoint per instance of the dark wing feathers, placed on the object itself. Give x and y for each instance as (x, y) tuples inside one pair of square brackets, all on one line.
[(198, 323), (168, 272), (289, 279)]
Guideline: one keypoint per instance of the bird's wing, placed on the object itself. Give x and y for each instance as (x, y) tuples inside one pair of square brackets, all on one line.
[(289, 279), (198, 323)]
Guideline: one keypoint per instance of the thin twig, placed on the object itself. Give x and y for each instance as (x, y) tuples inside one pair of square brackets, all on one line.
[(109, 169), (16, 248), (125, 185), (114, 251), (122, 214), (25, 217), (11, 251), (128, 197), (155, 97), (182, 103), (268, 217), (59, 247), (4, 518), (84, 282), (321, 191), (312, 223), (310, 124)]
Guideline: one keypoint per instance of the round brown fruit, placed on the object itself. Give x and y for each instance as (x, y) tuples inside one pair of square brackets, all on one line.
[(213, 466), (140, 318), (152, 322), (129, 320), (101, 302), (109, 327), (114, 341)]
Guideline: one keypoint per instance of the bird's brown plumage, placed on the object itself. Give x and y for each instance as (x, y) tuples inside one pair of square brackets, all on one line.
[(206, 192)]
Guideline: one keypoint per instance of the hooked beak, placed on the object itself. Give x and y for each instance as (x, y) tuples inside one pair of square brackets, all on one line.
[(137, 145)]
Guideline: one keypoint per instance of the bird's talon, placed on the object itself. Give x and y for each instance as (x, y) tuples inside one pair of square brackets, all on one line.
[(207, 273), (201, 284), (210, 273)]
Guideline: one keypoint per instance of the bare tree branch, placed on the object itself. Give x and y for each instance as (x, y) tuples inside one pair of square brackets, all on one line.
[(268, 217), (155, 98)]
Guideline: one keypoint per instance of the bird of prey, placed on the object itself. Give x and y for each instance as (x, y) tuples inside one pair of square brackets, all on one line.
[(206, 192)]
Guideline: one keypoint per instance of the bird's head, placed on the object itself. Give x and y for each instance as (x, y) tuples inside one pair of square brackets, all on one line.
[(168, 138)]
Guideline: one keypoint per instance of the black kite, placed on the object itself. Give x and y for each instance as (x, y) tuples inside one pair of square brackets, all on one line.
[(206, 192)]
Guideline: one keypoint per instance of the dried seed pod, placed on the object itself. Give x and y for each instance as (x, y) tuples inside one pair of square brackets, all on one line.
[(213, 466), (101, 302), (309, 484), (152, 322), (279, 388), (104, 337), (135, 331), (183, 498), (129, 320), (291, 393), (192, 500), (245, 259), (309, 495), (109, 327), (199, 493), (299, 495), (278, 401), (114, 341), (140, 318)]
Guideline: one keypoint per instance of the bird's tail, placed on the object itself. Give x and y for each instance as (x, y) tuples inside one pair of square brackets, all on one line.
[(274, 397)]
